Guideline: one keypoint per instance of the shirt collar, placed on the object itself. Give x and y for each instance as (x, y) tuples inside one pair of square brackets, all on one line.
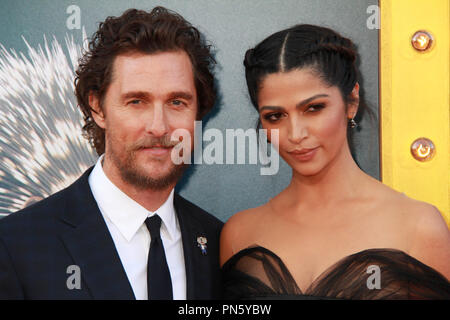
[(125, 213)]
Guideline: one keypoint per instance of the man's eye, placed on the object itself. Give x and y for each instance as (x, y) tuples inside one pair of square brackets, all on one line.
[(136, 101), (177, 102)]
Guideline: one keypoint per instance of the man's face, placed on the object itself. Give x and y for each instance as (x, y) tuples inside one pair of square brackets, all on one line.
[(149, 97)]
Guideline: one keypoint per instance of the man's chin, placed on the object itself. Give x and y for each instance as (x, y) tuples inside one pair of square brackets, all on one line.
[(153, 179)]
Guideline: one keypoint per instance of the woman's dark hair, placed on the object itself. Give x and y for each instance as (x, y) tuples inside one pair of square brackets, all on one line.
[(160, 30), (330, 55)]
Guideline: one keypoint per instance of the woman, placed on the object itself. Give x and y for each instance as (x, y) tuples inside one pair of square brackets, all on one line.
[(334, 232)]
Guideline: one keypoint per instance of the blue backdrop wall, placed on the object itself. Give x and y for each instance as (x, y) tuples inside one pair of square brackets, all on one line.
[(41, 148)]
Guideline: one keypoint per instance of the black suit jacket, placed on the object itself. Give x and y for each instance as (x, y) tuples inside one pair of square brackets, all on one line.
[(40, 242)]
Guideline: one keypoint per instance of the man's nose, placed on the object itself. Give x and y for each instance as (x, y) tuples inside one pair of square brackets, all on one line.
[(157, 124)]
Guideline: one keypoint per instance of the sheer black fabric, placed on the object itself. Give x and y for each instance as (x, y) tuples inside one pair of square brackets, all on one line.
[(258, 273)]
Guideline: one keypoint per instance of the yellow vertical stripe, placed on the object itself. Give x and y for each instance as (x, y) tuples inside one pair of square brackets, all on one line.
[(415, 102)]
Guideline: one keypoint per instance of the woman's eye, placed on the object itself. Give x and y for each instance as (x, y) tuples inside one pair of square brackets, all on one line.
[(315, 108), (273, 117)]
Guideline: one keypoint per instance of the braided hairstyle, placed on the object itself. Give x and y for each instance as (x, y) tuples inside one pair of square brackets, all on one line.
[(331, 56), (303, 46)]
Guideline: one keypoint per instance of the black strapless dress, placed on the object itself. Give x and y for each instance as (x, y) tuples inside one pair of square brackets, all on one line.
[(258, 273)]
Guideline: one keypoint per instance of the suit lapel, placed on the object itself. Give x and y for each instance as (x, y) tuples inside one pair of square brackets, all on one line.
[(91, 245), (197, 264)]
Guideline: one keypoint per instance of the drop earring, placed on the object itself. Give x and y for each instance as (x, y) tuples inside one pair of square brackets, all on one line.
[(352, 123)]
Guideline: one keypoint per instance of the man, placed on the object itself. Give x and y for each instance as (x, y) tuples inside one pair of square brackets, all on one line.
[(120, 231)]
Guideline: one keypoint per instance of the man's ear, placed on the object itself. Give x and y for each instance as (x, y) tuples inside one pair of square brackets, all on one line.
[(352, 108), (97, 112)]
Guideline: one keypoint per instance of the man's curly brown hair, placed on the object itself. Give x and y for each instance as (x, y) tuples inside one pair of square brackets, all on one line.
[(160, 30)]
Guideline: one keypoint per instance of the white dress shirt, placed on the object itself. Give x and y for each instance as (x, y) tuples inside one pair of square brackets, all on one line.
[(125, 219)]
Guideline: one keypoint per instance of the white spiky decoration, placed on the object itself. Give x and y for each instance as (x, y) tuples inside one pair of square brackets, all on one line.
[(41, 145)]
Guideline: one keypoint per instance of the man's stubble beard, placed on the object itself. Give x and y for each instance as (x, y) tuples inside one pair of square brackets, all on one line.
[(133, 175)]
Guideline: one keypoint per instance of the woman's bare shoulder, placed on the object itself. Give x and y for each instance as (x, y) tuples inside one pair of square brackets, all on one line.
[(238, 231), (431, 238), (248, 215), (410, 210), (425, 228), (398, 204)]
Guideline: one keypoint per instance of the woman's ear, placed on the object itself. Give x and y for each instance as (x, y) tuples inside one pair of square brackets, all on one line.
[(97, 112), (352, 109)]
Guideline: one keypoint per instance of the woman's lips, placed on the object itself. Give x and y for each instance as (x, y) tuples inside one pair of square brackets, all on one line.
[(304, 154)]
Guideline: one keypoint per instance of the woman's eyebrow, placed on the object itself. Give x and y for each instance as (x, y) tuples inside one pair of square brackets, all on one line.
[(271, 108), (299, 105), (306, 101)]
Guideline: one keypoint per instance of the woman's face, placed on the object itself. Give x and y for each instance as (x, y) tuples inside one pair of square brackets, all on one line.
[(311, 118)]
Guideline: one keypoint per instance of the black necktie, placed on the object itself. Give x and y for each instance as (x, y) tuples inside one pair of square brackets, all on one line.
[(159, 284)]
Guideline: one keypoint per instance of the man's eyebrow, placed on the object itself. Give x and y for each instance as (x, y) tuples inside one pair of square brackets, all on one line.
[(136, 95), (146, 96), (181, 94)]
